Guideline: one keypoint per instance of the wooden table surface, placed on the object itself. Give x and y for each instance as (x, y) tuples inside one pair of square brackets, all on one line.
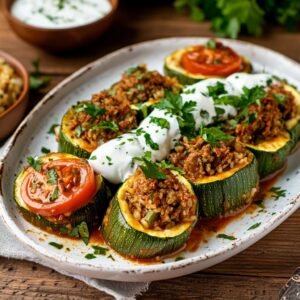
[(257, 273)]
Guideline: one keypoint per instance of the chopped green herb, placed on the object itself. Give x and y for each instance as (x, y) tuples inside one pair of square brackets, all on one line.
[(233, 123), (111, 125), (56, 245), (140, 87), (132, 70), (151, 217), (52, 175), (90, 256), (99, 250), (167, 165), (211, 44), (277, 192), (189, 91), (91, 109), (45, 150), (35, 163), (260, 204), (214, 135), (178, 258), (78, 131), (81, 231), (216, 90), (280, 98), (52, 129), (63, 230), (254, 226), (54, 194), (110, 257), (161, 122), (150, 142), (204, 114), (226, 237), (94, 157)]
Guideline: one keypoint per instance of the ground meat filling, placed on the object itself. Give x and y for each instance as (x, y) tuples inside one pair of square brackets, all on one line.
[(139, 85), (265, 120), (160, 204), (199, 159), (84, 125)]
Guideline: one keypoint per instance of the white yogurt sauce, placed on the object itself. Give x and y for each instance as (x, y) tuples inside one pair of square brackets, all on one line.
[(114, 160), (54, 14)]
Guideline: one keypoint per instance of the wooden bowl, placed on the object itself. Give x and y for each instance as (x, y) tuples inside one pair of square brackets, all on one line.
[(11, 117), (61, 39)]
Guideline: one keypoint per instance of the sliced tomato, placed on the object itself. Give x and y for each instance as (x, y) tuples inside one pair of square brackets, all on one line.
[(218, 61), (61, 187)]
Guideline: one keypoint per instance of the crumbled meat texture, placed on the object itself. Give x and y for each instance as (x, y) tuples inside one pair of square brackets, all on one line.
[(143, 86), (288, 107), (116, 110), (199, 159), (169, 199)]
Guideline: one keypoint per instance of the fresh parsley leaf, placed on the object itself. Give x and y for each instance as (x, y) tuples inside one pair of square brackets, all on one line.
[(189, 91), (55, 194), (167, 165), (150, 168), (214, 135), (45, 150), (111, 257), (99, 250), (150, 142), (91, 109), (216, 90), (94, 157), (90, 256), (254, 226), (81, 231), (52, 175), (78, 131), (280, 98), (278, 192), (227, 100), (211, 44), (110, 125), (178, 258), (226, 237), (52, 129), (56, 245), (35, 163), (204, 114), (132, 70), (161, 122)]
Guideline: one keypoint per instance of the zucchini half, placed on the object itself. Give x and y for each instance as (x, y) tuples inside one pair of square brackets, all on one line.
[(91, 214), (293, 125), (271, 155), (173, 68), (128, 237), (224, 193), (68, 142)]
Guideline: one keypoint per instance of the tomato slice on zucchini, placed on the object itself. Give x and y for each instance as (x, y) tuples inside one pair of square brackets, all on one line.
[(60, 186), (219, 61)]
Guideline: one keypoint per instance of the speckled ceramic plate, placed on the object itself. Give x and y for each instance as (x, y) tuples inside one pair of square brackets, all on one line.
[(32, 136)]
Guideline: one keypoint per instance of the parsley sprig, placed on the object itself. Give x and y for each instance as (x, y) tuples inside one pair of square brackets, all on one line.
[(214, 135), (91, 109)]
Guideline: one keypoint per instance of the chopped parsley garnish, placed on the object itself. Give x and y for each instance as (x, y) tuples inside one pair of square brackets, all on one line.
[(61, 4), (280, 98), (204, 114), (91, 109), (277, 192), (232, 123), (178, 258), (260, 204), (81, 231), (214, 135), (90, 256), (150, 168), (111, 257), (63, 230), (148, 139), (56, 245), (52, 129), (94, 157), (99, 250), (35, 163), (226, 237), (216, 90), (211, 44), (189, 91), (52, 175), (36, 81), (54, 194), (227, 100), (132, 70), (140, 87), (254, 226), (111, 125), (161, 122), (174, 104), (167, 165), (45, 150)]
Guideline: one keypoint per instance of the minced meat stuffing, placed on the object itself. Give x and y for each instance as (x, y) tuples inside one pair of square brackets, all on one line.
[(139, 85), (160, 204), (199, 159)]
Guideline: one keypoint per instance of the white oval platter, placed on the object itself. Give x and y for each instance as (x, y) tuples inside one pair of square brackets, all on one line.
[(32, 135)]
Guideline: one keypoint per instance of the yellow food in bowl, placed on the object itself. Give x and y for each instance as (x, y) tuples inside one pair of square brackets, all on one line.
[(11, 85)]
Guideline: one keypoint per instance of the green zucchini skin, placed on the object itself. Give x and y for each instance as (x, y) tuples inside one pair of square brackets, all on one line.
[(132, 243), (66, 146), (222, 197), (295, 135), (271, 162), (92, 213)]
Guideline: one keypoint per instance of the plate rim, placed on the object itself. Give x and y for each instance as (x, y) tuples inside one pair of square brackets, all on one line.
[(239, 244)]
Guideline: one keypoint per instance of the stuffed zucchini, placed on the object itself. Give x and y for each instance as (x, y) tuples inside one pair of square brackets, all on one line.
[(60, 192), (89, 124), (150, 217), (195, 63), (143, 88), (223, 173)]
